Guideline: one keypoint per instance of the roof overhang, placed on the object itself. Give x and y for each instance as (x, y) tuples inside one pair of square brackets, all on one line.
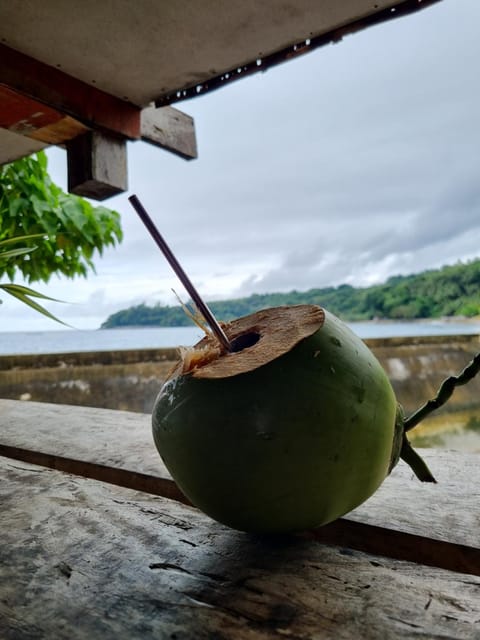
[(108, 71)]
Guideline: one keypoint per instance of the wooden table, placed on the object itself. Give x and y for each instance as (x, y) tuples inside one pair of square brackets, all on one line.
[(92, 548)]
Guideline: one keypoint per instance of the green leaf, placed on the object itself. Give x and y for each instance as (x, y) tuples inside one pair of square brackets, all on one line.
[(19, 289), (32, 205), (16, 252), (21, 238), (15, 205), (41, 157), (31, 303)]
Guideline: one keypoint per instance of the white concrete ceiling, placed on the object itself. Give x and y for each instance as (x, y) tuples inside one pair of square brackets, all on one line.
[(138, 51), (146, 51)]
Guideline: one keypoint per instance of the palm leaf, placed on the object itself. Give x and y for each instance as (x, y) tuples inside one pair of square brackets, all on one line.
[(17, 291), (20, 292), (21, 238), (15, 252)]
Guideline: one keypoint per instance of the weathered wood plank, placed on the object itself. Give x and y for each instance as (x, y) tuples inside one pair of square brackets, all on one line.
[(110, 438), (59, 132), (117, 446), (448, 510), (80, 559), (169, 129)]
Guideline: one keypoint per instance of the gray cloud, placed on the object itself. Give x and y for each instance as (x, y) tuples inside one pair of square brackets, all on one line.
[(349, 165)]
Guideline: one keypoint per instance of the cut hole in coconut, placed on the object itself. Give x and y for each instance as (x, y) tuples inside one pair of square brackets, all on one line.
[(256, 340), (244, 341)]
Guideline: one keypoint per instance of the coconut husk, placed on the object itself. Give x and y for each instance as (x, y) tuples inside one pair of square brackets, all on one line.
[(257, 339)]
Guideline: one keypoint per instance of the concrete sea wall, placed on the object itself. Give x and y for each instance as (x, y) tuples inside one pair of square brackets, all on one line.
[(126, 380), (130, 380), (417, 366)]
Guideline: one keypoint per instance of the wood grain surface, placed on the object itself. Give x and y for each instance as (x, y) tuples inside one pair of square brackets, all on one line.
[(117, 446), (82, 559)]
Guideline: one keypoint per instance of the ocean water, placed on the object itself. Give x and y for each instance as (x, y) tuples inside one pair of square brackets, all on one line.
[(72, 340)]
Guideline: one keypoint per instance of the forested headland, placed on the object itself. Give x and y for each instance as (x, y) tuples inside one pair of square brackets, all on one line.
[(450, 291)]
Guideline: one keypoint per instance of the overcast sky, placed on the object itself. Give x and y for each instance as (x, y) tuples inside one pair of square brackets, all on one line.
[(355, 162)]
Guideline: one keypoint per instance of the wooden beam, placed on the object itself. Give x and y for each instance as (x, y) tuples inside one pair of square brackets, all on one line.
[(32, 119), (60, 91), (60, 132), (165, 127), (97, 165), (22, 115), (169, 129)]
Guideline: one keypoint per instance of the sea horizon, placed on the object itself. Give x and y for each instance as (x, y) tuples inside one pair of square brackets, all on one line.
[(126, 338)]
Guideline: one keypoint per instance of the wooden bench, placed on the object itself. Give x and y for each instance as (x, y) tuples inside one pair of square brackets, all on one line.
[(98, 542)]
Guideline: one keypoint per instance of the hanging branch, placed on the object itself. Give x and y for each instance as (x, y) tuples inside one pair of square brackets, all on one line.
[(445, 391)]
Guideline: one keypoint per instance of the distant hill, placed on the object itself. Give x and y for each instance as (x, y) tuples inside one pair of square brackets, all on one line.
[(449, 291)]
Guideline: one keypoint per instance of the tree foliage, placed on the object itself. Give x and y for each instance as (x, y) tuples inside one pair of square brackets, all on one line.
[(452, 290), (10, 249), (68, 229)]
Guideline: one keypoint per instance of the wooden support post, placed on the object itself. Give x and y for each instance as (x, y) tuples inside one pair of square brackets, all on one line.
[(97, 165)]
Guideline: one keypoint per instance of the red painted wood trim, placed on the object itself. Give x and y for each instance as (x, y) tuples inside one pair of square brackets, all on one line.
[(30, 118), (23, 115), (62, 92)]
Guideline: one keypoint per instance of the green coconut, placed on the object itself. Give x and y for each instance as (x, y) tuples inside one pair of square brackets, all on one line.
[(293, 428)]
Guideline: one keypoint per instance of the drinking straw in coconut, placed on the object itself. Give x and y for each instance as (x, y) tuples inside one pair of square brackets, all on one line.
[(182, 276)]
